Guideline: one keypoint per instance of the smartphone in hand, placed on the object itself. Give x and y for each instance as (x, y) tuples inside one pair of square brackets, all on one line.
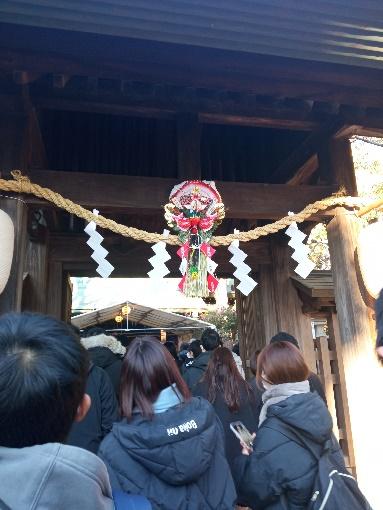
[(242, 433)]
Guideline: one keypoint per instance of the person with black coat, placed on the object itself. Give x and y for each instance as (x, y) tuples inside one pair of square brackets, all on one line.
[(231, 396), (279, 472), (192, 374), (313, 379), (168, 447), (105, 352), (103, 412)]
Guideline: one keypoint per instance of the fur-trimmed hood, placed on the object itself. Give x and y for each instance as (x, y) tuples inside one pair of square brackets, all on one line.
[(110, 342)]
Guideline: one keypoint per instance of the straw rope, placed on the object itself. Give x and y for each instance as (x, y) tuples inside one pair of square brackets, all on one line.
[(21, 184)]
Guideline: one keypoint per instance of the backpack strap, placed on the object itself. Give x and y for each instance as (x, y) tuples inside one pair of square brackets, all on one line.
[(315, 449)]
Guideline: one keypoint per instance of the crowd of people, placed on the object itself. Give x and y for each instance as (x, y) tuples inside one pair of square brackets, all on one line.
[(87, 424)]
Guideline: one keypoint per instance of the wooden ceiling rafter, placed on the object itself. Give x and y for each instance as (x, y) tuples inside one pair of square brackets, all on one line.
[(30, 48), (92, 94), (302, 162)]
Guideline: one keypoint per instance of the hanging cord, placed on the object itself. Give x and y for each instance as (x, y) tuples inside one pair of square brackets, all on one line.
[(22, 184)]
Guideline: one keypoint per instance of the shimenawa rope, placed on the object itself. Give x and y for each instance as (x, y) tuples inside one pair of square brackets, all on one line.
[(22, 184)]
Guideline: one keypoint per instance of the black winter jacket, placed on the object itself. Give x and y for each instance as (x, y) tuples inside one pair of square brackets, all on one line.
[(194, 373), (110, 362), (103, 412), (279, 465), (315, 386), (176, 460), (245, 414)]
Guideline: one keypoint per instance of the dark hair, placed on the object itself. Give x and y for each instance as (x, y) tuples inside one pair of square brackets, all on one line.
[(195, 348), (222, 377), (93, 331), (147, 369), (184, 346), (43, 372), (285, 337), (173, 338), (253, 361), (235, 349), (379, 319), (281, 362), (170, 346), (210, 339)]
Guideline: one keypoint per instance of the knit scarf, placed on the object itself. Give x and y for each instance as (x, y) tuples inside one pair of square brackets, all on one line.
[(279, 392), (169, 397)]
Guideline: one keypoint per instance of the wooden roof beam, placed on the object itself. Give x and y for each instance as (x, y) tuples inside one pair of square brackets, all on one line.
[(147, 194), (299, 157), (305, 172)]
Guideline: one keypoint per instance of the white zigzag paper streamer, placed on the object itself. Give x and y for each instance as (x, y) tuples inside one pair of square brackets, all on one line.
[(99, 254), (301, 250), (158, 260), (246, 283)]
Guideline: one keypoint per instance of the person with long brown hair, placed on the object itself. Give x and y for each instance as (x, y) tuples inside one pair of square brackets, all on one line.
[(231, 396), (280, 471), (169, 446)]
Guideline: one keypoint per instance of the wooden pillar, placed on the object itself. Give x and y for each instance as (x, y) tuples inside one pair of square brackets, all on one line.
[(363, 378), (188, 147), (55, 303), (290, 317), (10, 299), (336, 165), (274, 305), (36, 282)]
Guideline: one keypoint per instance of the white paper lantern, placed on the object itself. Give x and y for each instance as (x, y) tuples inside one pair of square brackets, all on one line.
[(370, 258), (7, 239)]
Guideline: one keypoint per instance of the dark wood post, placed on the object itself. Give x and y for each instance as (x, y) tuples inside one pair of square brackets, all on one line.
[(362, 375), (55, 304), (36, 270), (274, 305), (290, 317)]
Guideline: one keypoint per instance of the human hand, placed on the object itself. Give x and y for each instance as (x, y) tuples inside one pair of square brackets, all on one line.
[(246, 449), (379, 351)]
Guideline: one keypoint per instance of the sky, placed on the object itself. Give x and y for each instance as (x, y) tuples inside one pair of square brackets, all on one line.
[(96, 293)]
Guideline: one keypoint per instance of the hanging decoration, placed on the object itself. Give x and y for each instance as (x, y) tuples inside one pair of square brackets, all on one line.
[(158, 260), (99, 254), (246, 283), (194, 211), (301, 250), (7, 237)]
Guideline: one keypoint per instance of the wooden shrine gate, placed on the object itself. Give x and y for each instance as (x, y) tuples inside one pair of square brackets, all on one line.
[(113, 113)]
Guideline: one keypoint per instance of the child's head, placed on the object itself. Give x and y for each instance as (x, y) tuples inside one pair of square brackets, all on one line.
[(43, 372)]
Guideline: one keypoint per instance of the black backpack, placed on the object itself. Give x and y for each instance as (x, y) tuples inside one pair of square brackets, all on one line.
[(334, 488)]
